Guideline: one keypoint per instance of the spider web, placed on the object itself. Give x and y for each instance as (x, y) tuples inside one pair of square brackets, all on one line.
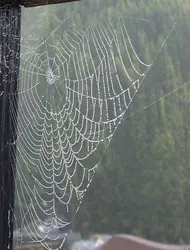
[(72, 98)]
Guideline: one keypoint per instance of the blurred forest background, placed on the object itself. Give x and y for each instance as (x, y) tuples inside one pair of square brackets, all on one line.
[(142, 186)]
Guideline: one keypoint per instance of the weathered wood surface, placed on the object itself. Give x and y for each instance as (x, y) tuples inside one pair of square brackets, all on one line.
[(32, 3), (129, 242), (10, 23)]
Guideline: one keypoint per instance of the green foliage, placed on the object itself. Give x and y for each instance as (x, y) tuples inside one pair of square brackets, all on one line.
[(142, 186)]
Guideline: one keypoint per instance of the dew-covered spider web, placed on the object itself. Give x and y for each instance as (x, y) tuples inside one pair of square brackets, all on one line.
[(76, 84), (71, 101)]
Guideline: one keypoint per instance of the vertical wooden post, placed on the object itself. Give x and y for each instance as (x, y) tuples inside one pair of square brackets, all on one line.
[(9, 74)]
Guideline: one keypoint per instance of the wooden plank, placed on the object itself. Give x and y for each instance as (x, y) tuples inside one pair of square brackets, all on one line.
[(34, 3), (10, 24)]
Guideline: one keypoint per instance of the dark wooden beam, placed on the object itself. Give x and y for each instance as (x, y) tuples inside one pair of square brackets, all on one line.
[(9, 71), (33, 3)]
